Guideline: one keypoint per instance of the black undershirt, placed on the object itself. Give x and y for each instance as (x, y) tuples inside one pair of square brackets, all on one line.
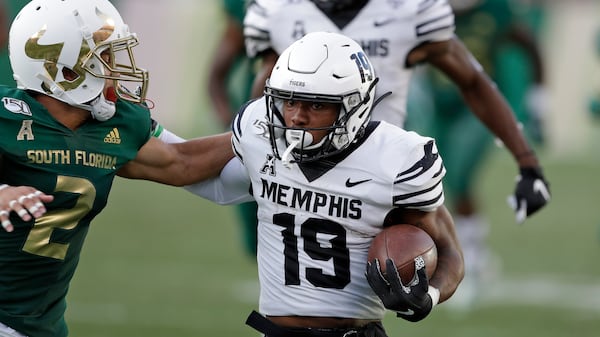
[(341, 12)]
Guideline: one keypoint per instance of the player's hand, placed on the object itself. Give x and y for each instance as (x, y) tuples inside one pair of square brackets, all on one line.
[(26, 201), (411, 302), (531, 193)]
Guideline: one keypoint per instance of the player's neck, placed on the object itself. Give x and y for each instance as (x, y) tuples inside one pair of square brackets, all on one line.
[(68, 115)]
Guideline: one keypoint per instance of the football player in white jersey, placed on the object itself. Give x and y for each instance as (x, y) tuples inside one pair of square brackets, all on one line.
[(327, 180), (397, 35)]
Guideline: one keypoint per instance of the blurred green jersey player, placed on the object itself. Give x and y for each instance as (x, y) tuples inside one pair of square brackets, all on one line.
[(231, 74), (496, 33)]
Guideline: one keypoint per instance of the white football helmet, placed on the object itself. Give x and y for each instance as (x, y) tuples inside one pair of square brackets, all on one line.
[(56, 47), (320, 67)]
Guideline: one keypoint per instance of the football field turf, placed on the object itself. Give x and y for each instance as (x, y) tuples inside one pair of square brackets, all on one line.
[(162, 262)]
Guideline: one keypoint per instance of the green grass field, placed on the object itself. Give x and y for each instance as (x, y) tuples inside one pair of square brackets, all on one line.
[(161, 262)]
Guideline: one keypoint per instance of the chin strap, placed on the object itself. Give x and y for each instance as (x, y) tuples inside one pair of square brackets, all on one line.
[(102, 109)]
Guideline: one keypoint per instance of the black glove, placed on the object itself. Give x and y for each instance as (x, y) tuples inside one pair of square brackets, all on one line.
[(531, 193), (411, 302)]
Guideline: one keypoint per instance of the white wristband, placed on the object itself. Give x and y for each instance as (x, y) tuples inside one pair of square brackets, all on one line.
[(169, 137), (434, 293)]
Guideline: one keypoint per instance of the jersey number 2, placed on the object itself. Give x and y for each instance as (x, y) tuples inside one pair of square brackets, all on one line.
[(38, 241), (336, 250)]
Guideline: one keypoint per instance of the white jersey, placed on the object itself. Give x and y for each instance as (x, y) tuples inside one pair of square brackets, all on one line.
[(316, 220), (387, 30)]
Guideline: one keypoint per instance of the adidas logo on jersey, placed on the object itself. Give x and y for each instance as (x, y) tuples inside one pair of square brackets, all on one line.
[(113, 137)]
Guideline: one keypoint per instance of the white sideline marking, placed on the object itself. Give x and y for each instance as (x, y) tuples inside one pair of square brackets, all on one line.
[(543, 291), (539, 290), (536, 291)]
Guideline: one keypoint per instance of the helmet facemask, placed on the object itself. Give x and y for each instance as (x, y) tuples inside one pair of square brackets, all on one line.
[(118, 66), (299, 141), (322, 68)]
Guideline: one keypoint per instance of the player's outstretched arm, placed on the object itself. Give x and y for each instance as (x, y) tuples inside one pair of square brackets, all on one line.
[(180, 164), (231, 187)]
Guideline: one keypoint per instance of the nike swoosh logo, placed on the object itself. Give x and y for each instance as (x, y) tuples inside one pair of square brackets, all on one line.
[(379, 23), (408, 312), (540, 187), (354, 183)]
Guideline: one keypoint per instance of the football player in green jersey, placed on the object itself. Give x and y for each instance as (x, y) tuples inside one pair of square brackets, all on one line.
[(230, 73), (594, 104), (505, 46), (68, 128), (230, 78), (8, 10)]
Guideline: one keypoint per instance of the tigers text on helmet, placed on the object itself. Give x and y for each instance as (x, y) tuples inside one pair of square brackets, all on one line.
[(69, 49), (327, 68)]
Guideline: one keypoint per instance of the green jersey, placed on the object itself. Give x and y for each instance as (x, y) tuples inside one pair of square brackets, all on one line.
[(485, 31), (11, 7), (38, 259), (236, 9), (482, 29)]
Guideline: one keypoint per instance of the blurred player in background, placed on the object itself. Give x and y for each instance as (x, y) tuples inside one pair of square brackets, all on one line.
[(68, 128), (8, 10), (5, 20), (497, 35), (397, 36), (230, 78), (327, 180), (594, 104)]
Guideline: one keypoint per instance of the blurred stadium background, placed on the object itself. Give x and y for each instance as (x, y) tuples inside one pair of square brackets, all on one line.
[(161, 262)]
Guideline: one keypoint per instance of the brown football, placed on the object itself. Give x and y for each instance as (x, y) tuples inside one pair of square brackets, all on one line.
[(403, 243)]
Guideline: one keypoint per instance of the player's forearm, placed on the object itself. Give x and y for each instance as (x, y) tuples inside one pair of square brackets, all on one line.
[(205, 157), (488, 104), (200, 158), (447, 275), (450, 267), (180, 163)]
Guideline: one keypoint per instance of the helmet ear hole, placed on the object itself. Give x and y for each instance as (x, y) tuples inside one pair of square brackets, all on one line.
[(69, 74)]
